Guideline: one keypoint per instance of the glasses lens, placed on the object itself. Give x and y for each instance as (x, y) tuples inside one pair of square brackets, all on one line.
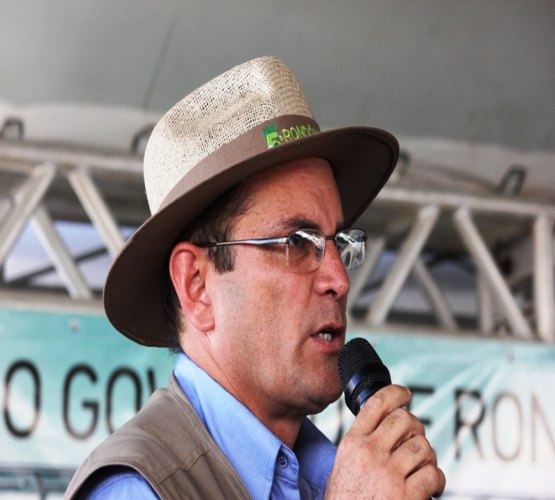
[(351, 244), (305, 248)]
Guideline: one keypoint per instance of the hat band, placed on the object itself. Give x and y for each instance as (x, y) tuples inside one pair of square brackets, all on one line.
[(267, 135), (286, 129)]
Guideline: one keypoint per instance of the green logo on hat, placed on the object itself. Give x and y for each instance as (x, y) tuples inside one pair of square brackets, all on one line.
[(275, 137), (272, 136)]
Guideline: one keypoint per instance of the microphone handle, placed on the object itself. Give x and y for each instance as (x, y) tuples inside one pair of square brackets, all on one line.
[(367, 376)]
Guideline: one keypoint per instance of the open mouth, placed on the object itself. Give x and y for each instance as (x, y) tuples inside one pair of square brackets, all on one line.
[(325, 335), (329, 333)]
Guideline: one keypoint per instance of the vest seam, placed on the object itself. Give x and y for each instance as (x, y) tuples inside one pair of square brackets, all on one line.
[(212, 448)]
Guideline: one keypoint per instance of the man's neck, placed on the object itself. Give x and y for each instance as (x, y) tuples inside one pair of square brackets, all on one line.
[(284, 426)]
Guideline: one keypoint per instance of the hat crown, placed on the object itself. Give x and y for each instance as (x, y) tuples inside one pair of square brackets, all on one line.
[(214, 115)]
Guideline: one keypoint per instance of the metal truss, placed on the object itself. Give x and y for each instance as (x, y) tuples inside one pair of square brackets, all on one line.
[(505, 242), (489, 231)]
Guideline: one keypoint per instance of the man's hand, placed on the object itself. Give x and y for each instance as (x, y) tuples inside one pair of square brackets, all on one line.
[(385, 454)]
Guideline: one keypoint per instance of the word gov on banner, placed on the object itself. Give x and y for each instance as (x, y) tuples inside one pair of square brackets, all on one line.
[(66, 389)]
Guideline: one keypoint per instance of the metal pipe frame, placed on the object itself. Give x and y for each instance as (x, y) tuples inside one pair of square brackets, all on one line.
[(410, 250), (490, 204), (26, 200), (97, 210), (485, 263), (485, 306), (60, 256), (19, 157), (544, 297), (435, 296), (374, 250), (41, 164)]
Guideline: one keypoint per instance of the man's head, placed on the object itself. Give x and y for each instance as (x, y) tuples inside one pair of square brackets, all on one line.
[(270, 329), (215, 223), (230, 131)]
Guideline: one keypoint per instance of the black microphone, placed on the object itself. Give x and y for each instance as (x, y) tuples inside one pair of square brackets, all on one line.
[(362, 373)]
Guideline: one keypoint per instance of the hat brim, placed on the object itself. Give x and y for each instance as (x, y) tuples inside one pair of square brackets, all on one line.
[(362, 159)]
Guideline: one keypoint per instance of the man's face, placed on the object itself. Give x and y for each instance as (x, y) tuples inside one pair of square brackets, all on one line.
[(278, 332)]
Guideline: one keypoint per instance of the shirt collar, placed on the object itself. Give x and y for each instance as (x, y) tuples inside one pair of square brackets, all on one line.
[(248, 445)]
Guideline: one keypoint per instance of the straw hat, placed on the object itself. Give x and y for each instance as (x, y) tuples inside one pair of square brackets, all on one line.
[(243, 121)]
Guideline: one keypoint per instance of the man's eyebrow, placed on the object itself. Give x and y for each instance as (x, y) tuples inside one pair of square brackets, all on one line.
[(299, 222)]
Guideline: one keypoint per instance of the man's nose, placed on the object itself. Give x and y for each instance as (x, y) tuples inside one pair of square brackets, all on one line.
[(332, 277)]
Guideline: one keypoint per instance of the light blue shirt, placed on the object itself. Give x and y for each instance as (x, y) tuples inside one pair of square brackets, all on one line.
[(267, 467)]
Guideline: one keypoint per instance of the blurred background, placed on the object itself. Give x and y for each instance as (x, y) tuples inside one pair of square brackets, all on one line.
[(457, 292)]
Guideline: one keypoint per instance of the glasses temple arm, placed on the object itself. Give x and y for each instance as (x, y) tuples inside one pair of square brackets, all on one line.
[(255, 241)]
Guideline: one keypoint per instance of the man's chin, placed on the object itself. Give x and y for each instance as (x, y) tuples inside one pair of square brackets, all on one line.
[(322, 401)]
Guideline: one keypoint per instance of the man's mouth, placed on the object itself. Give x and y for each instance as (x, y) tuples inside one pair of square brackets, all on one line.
[(330, 333), (325, 335)]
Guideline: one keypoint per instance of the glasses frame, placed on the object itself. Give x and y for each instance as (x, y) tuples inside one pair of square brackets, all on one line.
[(284, 240)]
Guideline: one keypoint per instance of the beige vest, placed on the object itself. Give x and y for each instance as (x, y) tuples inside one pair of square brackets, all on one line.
[(169, 446)]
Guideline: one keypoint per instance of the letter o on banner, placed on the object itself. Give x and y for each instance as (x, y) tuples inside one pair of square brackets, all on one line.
[(19, 366)]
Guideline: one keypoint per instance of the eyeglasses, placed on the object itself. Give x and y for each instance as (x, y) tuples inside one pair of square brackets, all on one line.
[(305, 248)]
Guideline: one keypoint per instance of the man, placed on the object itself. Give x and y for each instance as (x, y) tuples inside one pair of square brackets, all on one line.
[(242, 266)]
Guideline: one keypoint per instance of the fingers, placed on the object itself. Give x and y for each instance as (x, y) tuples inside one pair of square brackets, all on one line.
[(384, 416), (414, 460), (429, 481), (389, 441), (412, 455), (398, 427), (379, 406)]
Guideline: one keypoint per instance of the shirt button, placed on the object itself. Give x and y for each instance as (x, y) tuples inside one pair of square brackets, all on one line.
[(282, 461)]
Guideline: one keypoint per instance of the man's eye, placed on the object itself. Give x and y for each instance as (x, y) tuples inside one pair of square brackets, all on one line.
[(296, 240), (301, 243)]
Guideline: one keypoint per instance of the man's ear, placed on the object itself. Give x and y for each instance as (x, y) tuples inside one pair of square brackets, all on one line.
[(188, 266)]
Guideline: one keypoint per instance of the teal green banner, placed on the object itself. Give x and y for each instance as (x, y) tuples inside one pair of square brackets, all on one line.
[(69, 380)]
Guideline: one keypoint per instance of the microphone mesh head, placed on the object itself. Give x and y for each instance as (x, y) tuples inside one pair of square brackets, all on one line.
[(354, 356), (357, 357)]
